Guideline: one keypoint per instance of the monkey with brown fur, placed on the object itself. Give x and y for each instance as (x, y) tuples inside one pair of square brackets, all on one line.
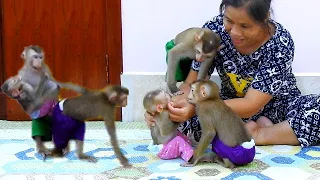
[(94, 104), (201, 44), (37, 73), (221, 126)]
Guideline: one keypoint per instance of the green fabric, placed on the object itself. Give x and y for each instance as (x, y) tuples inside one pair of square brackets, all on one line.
[(42, 127), (183, 67)]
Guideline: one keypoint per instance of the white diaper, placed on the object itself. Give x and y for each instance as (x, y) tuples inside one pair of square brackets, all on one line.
[(61, 104), (248, 145), (154, 149)]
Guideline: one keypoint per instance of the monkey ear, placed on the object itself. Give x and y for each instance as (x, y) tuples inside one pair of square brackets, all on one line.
[(203, 91), (23, 54), (159, 108), (198, 36), (112, 97)]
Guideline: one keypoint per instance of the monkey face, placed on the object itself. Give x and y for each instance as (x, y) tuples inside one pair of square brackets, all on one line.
[(117, 95), (32, 58), (123, 100), (162, 99), (202, 90), (192, 96), (200, 55)]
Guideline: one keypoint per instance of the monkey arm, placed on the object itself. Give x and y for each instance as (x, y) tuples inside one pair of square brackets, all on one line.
[(185, 87), (174, 56), (204, 67)]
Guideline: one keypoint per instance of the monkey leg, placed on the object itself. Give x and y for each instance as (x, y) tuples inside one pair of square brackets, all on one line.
[(66, 150), (81, 155), (40, 147), (110, 126), (205, 140), (225, 162), (228, 163)]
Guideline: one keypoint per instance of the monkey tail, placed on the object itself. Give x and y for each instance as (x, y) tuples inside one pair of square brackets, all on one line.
[(73, 87)]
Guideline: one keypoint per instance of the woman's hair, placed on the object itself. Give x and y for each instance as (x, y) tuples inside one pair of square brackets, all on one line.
[(258, 10)]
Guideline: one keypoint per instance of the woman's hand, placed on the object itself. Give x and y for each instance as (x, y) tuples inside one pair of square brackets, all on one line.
[(149, 118), (181, 111)]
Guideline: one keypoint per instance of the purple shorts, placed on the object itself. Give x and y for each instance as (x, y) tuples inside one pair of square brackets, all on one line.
[(238, 155), (65, 128)]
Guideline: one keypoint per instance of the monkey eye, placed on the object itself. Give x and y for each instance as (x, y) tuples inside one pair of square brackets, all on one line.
[(35, 56), (198, 52)]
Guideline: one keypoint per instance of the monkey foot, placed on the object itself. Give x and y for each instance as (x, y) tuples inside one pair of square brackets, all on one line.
[(89, 159), (127, 165), (208, 158), (178, 93), (187, 164), (44, 153)]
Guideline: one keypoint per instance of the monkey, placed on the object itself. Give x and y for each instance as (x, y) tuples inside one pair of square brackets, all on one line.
[(17, 89), (201, 44), (221, 126), (33, 87), (35, 71), (155, 103), (95, 104)]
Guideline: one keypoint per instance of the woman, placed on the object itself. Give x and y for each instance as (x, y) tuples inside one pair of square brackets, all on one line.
[(257, 79)]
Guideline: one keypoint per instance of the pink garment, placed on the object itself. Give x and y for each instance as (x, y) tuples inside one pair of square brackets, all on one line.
[(178, 146), (47, 107)]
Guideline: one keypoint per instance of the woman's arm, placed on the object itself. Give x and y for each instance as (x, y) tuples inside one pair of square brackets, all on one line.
[(249, 105)]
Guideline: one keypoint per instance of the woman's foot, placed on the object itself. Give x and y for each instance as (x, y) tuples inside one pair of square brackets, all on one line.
[(253, 128), (264, 122)]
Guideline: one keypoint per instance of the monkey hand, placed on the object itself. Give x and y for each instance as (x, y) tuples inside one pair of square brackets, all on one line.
[(187, 164), (173, 88), (190, 136), (149, 118)]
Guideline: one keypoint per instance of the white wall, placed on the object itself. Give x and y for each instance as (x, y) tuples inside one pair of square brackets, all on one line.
[(148, 24)]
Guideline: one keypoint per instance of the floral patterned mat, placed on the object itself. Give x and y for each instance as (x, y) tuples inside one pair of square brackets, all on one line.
[(18, 160)]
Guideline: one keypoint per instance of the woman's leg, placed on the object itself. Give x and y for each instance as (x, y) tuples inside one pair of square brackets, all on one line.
[(275, 134)]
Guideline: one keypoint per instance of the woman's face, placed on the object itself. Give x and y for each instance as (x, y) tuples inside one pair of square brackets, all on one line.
[(245, 33)]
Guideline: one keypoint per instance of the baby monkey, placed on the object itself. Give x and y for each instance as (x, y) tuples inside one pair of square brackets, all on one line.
[(221, 126), (17, 89), (165, 136), (201, 44)]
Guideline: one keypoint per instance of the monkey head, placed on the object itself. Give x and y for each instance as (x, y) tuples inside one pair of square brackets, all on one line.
[(33, 56), (13, 86), (156, 101), (117, 95), (206, 45), (202, 90)]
